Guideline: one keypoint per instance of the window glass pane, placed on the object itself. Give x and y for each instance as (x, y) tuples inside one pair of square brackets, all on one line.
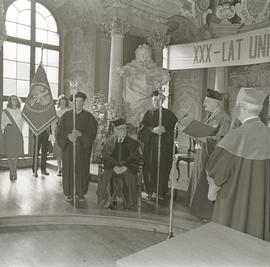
[(53, 58), (52, 74), (42, 10), (38, 56), (22, 88), (54, 90), (11, 29), (23, 71), (53, 38), (51, 24), (9, 87), (41, 36), (12, 13), (9, 50), (24, 17), (9, 69), (22, 4), (23, 53), (40, 22), (23, 31)]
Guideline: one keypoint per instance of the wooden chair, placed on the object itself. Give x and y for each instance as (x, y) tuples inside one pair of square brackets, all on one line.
[(118, 186), (186, 157)]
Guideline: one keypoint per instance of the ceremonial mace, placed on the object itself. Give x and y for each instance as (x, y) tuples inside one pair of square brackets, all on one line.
[(73, 91), (170, 235), (37, 135)]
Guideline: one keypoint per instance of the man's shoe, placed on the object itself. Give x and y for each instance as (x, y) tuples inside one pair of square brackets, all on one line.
[(69, 199), (80, 199), (45, 173)]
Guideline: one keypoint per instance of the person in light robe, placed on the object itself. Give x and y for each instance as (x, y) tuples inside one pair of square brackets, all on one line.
[(216, 117), (239, 170), (121, 159), (84, 136), (11, 126)]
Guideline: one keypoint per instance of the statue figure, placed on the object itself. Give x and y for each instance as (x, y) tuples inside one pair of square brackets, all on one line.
[(140, 77)]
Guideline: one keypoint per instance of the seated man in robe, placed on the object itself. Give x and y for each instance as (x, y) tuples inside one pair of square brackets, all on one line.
[(239, 169), (121, 158)]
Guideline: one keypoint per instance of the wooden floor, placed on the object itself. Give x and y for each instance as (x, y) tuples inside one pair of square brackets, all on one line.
[(63, 228)]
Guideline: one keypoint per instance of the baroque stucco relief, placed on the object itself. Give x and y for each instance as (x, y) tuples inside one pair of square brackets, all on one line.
[(80, 60), (247, 76), (187, 99)]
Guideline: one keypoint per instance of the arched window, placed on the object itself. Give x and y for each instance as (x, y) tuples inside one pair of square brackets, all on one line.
[(29, 25)]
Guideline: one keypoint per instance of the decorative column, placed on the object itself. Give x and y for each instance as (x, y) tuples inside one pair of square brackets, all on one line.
[(158, 40), (117, 28)]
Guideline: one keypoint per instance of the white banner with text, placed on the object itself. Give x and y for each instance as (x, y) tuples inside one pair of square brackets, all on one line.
[(251, 47)]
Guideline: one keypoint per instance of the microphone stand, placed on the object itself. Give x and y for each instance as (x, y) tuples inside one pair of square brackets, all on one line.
[(170, 235)]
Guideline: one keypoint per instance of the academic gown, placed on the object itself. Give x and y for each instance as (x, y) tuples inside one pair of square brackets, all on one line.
[(150, 149), (240, 166), (116, 154), (87, 125), (200, 206)]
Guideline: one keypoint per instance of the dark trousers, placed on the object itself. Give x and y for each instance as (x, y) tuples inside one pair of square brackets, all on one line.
[(43, 143)]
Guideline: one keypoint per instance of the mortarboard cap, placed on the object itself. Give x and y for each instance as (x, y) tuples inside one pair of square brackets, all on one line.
[(214, 94), (118, 122), (252, 97), (79, 94)]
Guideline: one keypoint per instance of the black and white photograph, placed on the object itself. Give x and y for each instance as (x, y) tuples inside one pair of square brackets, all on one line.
[(135, 133)]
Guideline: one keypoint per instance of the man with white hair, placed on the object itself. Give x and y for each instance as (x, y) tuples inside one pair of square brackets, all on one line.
[(217, 118), (239, 169)]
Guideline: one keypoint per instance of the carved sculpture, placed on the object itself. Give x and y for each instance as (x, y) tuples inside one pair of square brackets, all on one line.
[(140, 77)]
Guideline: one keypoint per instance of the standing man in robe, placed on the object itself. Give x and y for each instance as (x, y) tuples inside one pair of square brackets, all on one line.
[(84, 136), (121, 159), (149, 134), (239, 169), (198, 187)]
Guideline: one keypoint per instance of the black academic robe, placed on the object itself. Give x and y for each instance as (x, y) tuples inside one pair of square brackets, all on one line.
[(150, 149), (87, 125), (114, 154)]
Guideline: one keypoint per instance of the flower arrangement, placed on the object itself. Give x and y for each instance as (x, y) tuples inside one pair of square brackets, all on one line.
[(104, 112)]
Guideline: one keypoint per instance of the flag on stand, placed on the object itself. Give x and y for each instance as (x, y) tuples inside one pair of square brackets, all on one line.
[(39, 110)]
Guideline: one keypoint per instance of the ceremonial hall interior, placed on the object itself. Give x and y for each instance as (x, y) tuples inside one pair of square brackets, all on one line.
[(117, 56)]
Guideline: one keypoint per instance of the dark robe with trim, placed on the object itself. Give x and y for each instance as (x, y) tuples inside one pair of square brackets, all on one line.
[(116, 154), (150, 149), (87, 125), (240, 166), (200, 206)]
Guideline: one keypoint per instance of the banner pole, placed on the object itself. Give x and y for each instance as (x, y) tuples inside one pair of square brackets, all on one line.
[(74, 150), (36, 156)]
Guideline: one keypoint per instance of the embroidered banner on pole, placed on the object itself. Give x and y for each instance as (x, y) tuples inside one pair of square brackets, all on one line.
[(240, 49), (39, 110)]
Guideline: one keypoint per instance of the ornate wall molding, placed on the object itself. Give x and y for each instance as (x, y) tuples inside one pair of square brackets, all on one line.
[(116, 25)]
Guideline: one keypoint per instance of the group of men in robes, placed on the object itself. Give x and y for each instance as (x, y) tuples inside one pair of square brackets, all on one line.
[(231, 172), (120, 176)]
